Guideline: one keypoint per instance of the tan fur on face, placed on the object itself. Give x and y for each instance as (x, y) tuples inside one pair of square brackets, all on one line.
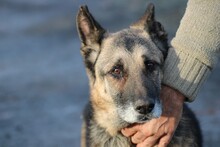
[(105, 112)]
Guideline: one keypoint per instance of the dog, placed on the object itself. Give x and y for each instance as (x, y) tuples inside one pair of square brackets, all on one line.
[(125, 73)]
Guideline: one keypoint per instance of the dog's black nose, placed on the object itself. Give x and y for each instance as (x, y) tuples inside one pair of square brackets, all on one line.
[(145, 108)]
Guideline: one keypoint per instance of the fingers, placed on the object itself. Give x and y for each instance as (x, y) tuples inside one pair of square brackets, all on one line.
[(138, 132), (150, 142), (165, 140), (154, 139), (138, 137), (142, 136), (130, 131)]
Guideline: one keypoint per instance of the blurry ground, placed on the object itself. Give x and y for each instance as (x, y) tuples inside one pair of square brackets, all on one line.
[(43, 85)]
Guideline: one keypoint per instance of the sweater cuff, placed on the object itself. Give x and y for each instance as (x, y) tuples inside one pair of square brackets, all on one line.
[(184, 73)]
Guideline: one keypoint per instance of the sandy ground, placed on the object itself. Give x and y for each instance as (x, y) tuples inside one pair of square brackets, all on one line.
[(43, 85)]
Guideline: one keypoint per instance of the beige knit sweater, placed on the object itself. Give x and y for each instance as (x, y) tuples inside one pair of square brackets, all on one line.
[(195, 48)]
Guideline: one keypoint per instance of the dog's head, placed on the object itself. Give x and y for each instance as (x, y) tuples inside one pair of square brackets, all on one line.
[(124, 68)]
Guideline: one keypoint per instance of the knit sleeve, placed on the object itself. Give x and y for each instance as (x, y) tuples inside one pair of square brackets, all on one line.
[(195, 48)]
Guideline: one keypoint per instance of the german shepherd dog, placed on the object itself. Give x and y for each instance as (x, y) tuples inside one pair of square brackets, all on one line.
[(125, 73)]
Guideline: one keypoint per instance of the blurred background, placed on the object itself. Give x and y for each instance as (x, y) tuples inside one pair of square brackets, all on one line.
[(43, 84)]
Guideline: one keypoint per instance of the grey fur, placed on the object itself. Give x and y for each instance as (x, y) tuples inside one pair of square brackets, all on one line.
[(125, 72)]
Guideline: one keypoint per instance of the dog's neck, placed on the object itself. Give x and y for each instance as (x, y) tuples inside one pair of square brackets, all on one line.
[(101, 138), (105, 114)]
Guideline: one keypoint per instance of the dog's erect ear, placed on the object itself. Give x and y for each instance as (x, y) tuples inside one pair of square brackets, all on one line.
[(148, 23), (89, 30), (91, 34), (146, 20)]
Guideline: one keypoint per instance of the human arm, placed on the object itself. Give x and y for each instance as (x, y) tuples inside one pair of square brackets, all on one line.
[(195, 48)]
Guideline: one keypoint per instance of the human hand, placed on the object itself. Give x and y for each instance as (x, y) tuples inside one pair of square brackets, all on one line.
[(159, 131)]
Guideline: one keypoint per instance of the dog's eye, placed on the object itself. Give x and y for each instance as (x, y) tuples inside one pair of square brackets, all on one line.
[(117, 72), (150, 65)]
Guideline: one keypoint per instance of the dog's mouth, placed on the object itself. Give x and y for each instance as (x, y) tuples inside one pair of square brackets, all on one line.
[(131, 115), (142, 119)]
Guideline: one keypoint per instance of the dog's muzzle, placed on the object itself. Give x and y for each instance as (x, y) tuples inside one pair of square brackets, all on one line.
[(140, 112)]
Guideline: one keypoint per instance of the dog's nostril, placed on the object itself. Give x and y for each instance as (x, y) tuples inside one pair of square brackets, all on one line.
[(141, 109), (145, 109), (150, 107)]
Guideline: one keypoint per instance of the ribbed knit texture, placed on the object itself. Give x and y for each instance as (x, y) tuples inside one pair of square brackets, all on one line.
[(195, 48), (185, 73)]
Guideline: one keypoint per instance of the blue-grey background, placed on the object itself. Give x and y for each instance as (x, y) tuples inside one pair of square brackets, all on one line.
[(43, 85)]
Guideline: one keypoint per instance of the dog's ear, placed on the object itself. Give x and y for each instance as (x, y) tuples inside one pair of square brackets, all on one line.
[(91, 34), (146, 20), (148, 23), (90, 31)]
